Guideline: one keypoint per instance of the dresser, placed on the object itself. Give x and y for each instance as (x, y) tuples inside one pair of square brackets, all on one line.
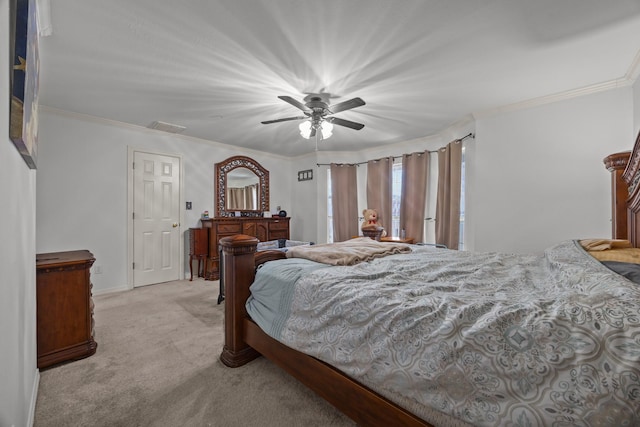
[(263, 229), (198, 250), (64, 307)]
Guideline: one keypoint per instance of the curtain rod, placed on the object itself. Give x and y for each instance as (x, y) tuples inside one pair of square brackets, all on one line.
[(470, 135)]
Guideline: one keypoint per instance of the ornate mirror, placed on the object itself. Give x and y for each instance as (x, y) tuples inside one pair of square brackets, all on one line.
[(242, 185)]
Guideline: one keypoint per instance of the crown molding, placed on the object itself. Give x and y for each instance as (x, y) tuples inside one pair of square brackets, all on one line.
[(138, 128), (628, 79), (634, 69), (549, 99), (429, 142)]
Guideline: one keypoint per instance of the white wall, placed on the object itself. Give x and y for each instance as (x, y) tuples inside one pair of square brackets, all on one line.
[(305, 197), (82, 186), (538, 173), (18, 375)]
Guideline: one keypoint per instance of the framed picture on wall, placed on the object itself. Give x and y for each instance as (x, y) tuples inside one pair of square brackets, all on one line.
[(24, 73)]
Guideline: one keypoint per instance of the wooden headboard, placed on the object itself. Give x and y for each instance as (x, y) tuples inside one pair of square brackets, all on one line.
[(625, 193)]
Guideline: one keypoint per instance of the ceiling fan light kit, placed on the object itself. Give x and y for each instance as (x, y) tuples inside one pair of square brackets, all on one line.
[(316, 118), (307, 129)]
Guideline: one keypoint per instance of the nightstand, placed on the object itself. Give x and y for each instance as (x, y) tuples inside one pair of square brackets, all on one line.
[(198, 249), (64, 307)]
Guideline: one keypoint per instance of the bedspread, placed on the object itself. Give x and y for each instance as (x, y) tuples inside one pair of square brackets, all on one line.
[(490, 339)]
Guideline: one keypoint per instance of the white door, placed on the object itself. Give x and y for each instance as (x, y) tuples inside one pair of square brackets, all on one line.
[(156, 218)]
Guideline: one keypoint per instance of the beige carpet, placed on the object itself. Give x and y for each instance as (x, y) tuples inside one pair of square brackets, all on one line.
[(157, 365)]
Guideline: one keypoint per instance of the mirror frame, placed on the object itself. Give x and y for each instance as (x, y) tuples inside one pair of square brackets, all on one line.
[(226, 166)]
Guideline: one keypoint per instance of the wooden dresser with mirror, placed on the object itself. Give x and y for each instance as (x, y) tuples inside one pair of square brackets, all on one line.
[(241, 199)]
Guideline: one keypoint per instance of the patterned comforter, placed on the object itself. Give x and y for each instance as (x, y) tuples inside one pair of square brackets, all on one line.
[(488, 339)]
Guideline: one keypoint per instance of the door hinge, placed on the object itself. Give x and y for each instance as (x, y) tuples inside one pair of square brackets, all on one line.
[(133, 265), (133, 215), (133, 165)]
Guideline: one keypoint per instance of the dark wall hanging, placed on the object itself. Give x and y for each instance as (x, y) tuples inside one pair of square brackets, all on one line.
[(23, 122)]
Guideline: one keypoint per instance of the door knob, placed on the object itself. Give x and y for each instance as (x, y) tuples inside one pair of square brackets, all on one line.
[(175, 224)]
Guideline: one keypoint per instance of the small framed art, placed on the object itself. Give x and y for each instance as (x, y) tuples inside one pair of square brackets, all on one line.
[(306, 175)]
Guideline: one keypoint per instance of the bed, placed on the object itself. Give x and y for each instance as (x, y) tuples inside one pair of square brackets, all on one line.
[(492, 339)]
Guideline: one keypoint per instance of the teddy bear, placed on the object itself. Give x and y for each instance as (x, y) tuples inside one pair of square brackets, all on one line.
[(370, 223)]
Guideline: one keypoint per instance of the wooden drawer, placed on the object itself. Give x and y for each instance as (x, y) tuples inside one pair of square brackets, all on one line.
[(278, 234), (278, 225), (235, 228), (198, 241)]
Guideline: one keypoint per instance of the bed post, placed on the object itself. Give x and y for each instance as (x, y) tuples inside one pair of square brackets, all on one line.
[(238, 274), (616, 164), (631, 176)]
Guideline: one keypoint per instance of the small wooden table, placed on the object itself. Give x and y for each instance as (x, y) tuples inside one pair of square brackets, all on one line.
[(198, 249)]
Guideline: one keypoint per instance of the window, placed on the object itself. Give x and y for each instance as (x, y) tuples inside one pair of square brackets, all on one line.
[(329, 209), (396, 194), (462, 198)]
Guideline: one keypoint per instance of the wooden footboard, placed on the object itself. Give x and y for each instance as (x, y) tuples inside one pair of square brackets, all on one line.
[(240, 262), (244, 341)]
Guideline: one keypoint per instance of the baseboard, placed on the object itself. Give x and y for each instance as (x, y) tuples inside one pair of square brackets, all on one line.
[(34, 398), (110, 290)]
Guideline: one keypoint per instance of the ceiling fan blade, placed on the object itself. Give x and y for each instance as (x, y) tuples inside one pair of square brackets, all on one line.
[(346, 105), (346, 123), (294, 102), (286, 119)]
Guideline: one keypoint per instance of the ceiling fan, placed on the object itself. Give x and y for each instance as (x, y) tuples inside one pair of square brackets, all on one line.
[(318, 110)]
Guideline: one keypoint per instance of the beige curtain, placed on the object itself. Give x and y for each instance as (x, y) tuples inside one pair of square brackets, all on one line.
[(344, 201), (254, 196), (448, 199), (415, 170), (250, 193), (379, 187), (235, 198)]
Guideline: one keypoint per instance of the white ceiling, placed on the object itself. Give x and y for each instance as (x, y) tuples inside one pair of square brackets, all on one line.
[(217, 66)]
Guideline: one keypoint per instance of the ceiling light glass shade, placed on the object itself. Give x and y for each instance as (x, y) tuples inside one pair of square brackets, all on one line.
[(305, 129), (327, 130)]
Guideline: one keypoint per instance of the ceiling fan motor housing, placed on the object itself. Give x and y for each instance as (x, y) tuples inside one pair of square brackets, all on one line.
[(316, 108), (317, 104)]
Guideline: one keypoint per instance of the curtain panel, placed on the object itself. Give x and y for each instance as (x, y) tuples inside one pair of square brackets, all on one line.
[(415, 170), (248, 200), (235, 198), (344, 201), (448, 198), (251, 196), (379, 190)]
